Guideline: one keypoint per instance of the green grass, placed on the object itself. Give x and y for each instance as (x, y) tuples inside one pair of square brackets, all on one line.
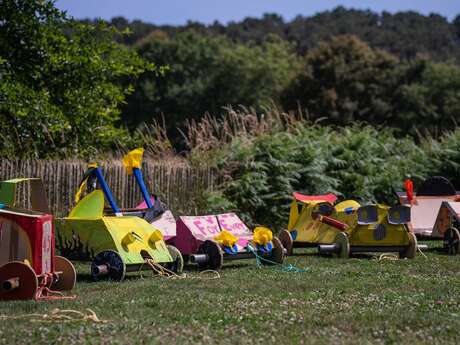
[(355, 301)]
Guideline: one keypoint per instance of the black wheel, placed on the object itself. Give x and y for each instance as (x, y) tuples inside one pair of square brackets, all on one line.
[(341, 239), (452, 241), (108, 264), (215, 257), (67, 277), (286, 240), (177, 265), (411, 249), (277, 253)]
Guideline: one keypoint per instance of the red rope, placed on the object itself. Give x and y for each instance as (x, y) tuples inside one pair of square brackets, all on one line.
[(44, 291)]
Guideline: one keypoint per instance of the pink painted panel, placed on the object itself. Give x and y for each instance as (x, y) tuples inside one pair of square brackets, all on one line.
[(202, 227), (185, 241), (193, 230), (166, 224), (143, 204), (232, 223)]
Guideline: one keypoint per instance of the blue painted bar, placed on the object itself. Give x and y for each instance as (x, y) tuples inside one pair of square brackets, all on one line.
[(106, 190), (140, 181)]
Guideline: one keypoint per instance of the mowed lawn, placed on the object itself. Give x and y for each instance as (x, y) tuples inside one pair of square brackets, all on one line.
[(355, 301)]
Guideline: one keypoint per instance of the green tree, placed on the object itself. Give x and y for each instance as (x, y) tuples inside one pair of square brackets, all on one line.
[(344, 80), (427, 98), (444, 156), (59, 90), (206, 74)]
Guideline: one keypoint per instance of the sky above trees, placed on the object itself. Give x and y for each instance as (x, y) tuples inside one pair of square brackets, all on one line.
[(177, 12)]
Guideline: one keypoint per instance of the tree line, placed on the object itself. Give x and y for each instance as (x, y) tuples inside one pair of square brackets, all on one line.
[(341, 81), (404, 34)]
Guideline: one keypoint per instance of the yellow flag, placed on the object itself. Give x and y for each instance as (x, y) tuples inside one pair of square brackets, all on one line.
[(262, 235), (226, 238), (133, 159)]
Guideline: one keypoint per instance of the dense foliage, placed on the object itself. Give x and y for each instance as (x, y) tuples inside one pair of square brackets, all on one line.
[(59, 93), (206, 74), (344, 81), (263, 168), (399, 70), (341, 81)]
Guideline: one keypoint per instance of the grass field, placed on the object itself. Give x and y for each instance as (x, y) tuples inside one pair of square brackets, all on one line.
[(355, 301)]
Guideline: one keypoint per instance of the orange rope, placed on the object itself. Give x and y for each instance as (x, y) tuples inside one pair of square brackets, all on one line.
[(44, 291), (58, 315)]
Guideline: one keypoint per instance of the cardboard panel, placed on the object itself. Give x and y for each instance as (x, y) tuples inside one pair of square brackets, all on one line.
[(232, 223), (7, 193), (185, 240), (38, 196), (399, 214), (193, 230), (166, 224), (90, 207), (202, 227), (424, 214), (47, 246), (15, 244), (367, 215)]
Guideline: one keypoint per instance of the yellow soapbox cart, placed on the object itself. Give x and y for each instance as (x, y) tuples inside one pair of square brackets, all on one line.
[(346, 228)]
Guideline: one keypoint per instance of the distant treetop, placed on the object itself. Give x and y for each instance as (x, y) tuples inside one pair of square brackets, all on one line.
[(405, 34)]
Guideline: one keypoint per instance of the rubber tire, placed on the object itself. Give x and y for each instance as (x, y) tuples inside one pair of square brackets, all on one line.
[(286, 240), (214, 252), (452, 241), (341, 239), (177, 265), (68, 278), (28, 287), (411, 250), (117, 268)]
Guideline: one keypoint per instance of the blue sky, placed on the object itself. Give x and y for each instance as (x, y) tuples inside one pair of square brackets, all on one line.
[(206, 11)]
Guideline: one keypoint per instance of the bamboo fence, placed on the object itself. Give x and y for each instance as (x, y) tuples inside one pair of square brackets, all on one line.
[(178, 185)]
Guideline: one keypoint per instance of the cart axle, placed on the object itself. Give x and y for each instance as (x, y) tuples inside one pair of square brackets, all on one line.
[(101, 270), (199, 258), (10, 284), (328, 248), (334, 248)]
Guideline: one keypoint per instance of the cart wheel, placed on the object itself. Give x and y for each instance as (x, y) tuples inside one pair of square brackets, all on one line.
[(452, 241), (177, 265), (276, 255), (216, 258), (286, 240), (411, 249), (17, 281), (108, 264), (68, 276), (341, 239)]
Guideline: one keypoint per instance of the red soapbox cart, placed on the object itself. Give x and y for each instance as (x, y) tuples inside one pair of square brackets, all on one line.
[(29, 268)]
